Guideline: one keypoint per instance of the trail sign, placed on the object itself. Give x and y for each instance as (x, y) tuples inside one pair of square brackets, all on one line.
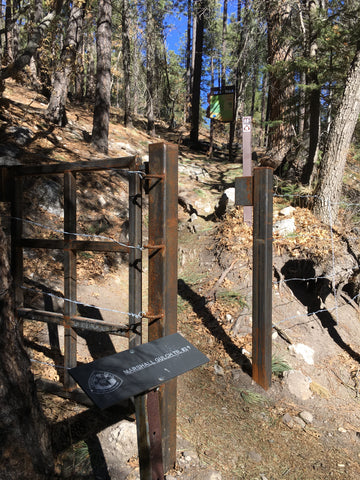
[(110, 380), (222, 104)]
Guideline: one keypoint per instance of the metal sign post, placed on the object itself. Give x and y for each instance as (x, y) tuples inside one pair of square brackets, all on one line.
[(247, 162), (257, 191)]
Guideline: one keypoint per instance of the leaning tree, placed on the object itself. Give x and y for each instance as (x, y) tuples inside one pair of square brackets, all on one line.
[(333, 163)]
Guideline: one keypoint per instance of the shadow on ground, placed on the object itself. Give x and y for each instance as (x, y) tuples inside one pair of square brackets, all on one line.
[(198, 303), (312, 292)]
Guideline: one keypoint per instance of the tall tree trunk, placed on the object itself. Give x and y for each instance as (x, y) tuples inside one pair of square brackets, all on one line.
[(56, 108), (223, 43), (8, 47), (280, 83), (126, 56), (188, 72), (333, 163), (24, 437), (314, 107), (91, 70), (80, 72), (101, 118), (264, 90), (34, 40), (211, 142), (150, 67), (195, 117)]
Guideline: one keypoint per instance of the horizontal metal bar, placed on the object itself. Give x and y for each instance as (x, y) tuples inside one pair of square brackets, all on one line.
[(56, 168), (79, 245), (83, 323)]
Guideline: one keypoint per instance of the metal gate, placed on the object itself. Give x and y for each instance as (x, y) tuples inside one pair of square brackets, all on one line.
[(158, 178)]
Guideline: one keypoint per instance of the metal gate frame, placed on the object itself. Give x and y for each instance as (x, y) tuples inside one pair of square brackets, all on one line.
[(161, 177)]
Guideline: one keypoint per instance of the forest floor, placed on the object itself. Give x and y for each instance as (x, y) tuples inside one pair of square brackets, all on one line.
[(229, 428)]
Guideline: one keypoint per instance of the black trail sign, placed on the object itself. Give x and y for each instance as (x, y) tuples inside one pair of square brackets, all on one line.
[(115, 378)]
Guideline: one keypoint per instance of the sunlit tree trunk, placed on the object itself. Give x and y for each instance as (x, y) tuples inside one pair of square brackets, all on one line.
[(314, 104), (195, 117), (150, 67), (101, 118), (333, 163), (126, 56), (56, 108), (281, 86), (223, 43)]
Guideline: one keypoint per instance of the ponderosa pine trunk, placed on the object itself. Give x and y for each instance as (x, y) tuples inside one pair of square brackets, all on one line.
[(25, 446), (313, 8), (150, 68), (35, 37), (126, 57), (188, 71), (199, 43), (101, 118), (56, 112), (281, 88), (333, 163)]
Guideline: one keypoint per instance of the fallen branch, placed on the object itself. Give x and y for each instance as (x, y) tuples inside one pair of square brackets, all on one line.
[(211, 296), (282, 334)]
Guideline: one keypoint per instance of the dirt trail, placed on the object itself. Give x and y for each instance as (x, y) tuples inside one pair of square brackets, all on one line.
[(232, 426)]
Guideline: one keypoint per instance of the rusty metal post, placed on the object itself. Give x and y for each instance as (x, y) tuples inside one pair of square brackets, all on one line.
[(262, 276), (135, 307), (69, 277), (163, 197), (156, 456)]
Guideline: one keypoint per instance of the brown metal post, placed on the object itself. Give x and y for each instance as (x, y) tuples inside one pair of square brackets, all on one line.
[(17, 256), (135, 307), (156, 457), (262, 276), (69, 276), (163, 197)]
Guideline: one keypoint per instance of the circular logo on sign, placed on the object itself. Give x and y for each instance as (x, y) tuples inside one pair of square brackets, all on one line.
[(104, 382), (246, 128)]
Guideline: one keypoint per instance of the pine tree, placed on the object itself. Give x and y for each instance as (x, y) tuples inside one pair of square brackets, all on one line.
[(101, 117)]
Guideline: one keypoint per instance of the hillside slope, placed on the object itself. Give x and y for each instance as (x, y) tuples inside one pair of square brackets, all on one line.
[(229, 428)]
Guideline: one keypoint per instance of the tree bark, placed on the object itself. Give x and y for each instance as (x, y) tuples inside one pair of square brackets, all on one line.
[(56, 108), (333, 163), (126, 56), (280, 84), (24, 437), (195, 109), (150, 68), (223, 43), (101, 118), (314, 106), (33, 44), (188, 72)]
